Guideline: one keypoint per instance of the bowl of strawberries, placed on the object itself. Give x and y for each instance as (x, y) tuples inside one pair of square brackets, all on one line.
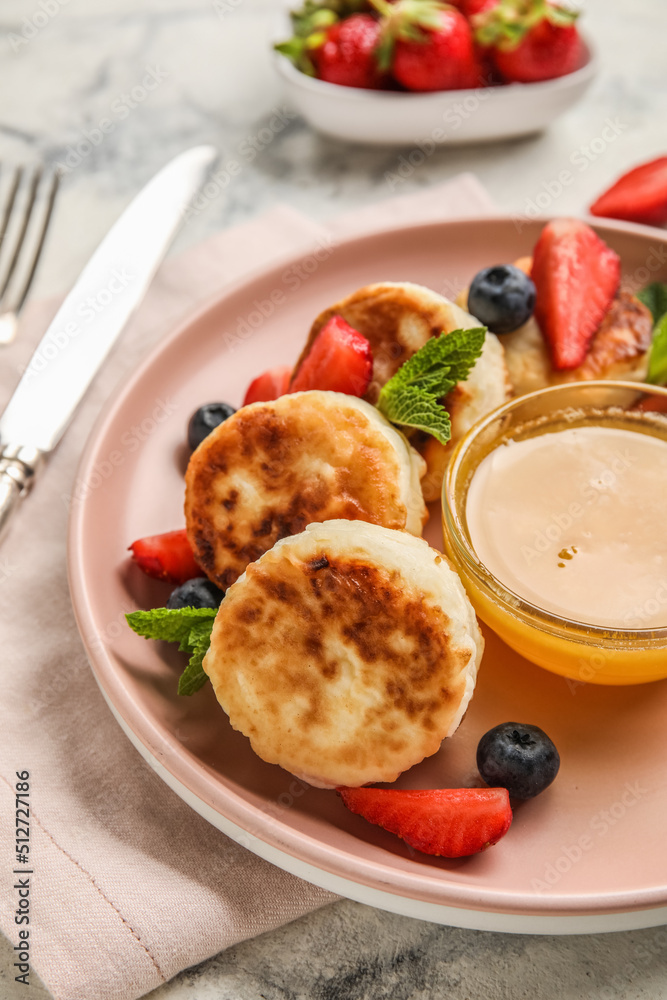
[(426, 72)]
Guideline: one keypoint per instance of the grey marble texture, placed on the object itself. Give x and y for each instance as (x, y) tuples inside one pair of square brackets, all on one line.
[(212, 81)]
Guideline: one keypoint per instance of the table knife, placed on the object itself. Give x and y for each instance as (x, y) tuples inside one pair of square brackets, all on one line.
[(91, 318)]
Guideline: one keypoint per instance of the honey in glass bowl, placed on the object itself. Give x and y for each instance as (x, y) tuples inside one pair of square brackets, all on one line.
[(554, 514)]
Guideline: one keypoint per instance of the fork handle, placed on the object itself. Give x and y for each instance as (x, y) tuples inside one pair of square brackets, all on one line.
[(18, 467)]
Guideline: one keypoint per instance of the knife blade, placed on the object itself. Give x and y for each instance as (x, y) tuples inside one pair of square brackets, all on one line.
[(109, 289)]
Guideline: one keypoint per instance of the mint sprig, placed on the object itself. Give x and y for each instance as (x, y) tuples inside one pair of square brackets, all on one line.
[(413, 396), (657, 359), (654, 296), (189, 627)]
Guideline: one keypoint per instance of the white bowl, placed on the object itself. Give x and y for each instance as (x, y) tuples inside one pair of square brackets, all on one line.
[(393, 118)]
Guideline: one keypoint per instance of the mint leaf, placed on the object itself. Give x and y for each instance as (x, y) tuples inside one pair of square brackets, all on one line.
[(413, 407), (413, 396), (189, 627), (194, 677), (655, 297), (657, 361)]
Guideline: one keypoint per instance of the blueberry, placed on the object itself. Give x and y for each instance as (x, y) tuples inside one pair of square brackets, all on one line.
[(206, 419), (517, 757), (502, 297), (197, 593)]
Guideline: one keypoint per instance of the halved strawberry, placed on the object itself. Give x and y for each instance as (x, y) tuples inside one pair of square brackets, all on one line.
[(340, 360), (269, 385), (448, 822), (576, 277), (166, 557), (638, 196)]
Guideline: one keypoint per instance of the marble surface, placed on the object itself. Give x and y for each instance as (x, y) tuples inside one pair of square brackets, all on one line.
[(203, 73)]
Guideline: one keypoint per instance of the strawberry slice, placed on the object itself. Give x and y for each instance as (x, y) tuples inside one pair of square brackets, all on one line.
[(340, 360), (166, 557), (576, 277), (638, 196), (269, 385), (651, 404), (447, 822)]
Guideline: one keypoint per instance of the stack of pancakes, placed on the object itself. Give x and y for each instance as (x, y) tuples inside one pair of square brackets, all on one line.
[(346, 648)]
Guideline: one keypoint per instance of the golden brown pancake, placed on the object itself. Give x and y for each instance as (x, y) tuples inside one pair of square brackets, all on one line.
[(619, 349), (397, 318), (272, 468), (346, 653)]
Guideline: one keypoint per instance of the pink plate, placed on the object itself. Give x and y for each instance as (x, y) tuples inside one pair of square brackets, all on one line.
[(587, 855)]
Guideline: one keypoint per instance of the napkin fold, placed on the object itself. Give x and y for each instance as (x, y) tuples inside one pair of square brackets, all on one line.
[(126, 884)]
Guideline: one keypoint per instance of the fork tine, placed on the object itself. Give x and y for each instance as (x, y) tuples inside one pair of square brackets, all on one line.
[(20, 236), (11, 198), (37, 251)]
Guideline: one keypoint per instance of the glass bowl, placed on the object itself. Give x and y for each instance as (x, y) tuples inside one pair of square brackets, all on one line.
[(575, 649)]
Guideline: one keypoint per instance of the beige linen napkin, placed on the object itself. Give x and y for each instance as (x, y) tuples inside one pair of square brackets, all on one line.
[(127, 884)]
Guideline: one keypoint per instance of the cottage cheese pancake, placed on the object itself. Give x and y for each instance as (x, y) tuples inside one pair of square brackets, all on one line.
[(619, 348), (346, 654), (397, 318), (272, 468)]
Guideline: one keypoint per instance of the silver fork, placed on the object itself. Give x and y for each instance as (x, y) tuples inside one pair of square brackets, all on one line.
[(22, 206)]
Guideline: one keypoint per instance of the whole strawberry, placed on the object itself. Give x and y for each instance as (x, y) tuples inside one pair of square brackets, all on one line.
[(428, 45), (347, 53), (530, 40), (335, 40), (473, 7), (470, 9)]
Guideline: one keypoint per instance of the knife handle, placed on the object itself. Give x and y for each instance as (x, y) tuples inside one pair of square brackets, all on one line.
[(18, 466)]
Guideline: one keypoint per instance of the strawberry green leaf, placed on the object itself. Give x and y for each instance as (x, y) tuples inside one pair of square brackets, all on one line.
[(506, 25)]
